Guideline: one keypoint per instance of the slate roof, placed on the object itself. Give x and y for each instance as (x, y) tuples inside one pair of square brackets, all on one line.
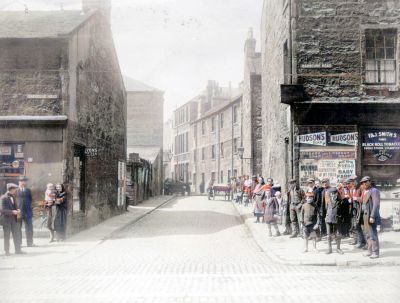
[(40, 24), (132, 85)]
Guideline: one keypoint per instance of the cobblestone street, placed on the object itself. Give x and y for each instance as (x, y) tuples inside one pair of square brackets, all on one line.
[(189, 250)]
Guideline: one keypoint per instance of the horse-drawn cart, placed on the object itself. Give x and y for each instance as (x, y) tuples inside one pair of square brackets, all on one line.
[(220, 189)]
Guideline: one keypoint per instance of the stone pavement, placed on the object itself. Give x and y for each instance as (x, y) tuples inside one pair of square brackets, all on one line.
[(191, 250), (48, 254), (289, 251)]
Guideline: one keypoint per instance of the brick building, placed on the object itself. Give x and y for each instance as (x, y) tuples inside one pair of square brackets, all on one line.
[(145, 113), (63, 108), (331, 89)]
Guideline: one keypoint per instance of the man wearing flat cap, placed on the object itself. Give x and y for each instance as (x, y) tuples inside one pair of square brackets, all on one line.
[(333, 219), (24, 199), (10, 211), (371, 218), (295, 198)]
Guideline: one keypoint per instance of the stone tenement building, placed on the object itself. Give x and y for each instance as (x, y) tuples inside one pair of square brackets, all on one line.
[(145, 113), (215, 137), (330, 73), (63, 109)]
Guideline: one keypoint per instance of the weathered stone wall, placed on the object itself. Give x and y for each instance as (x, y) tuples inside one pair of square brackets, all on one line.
[(275, 116), (330, 43), (98, 113), (256, 123), (31, 73)]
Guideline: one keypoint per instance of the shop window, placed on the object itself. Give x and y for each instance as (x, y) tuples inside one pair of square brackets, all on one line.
[(12, 163), (381, 56)]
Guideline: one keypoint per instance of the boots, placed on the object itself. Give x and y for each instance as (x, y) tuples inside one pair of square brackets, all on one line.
[(339, 251), (305, 245), (277, 234), (329, 246)]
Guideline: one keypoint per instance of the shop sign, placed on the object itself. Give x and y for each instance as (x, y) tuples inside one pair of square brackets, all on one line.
[(346, 169), (346, 139), (312, 139), (381, 147), (19, 155), (5, 150), (91, 152), (328, 155)]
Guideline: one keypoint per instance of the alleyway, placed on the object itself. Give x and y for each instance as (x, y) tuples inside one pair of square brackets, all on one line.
[(191, 250)]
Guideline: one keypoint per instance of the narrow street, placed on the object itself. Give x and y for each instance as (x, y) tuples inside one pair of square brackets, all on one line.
[(191, 250)]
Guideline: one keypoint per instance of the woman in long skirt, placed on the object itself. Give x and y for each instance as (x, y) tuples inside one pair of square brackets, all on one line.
[(60, 221)]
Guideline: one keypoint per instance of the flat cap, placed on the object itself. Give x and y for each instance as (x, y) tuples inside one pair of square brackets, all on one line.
[(348, 180), (22, 178), (292, 181), (365, 179), (325, 180), (310, 180), (11, 185)]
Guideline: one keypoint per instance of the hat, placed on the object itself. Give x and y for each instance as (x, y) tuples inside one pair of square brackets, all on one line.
[(23, 178), (11, 185), (311, 180), (310, 194), (292, 181), (325, 180), (349, 180), (365, 179)]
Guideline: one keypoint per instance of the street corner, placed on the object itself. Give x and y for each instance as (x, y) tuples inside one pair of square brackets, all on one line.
[(287, 251)]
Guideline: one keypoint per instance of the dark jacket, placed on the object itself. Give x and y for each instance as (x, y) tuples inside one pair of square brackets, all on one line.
[(7, 208), (24, 199), (309, 214), (372, 201), (333, 206)]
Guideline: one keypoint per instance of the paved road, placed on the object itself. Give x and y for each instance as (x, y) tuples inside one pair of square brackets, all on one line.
[(193, 250)]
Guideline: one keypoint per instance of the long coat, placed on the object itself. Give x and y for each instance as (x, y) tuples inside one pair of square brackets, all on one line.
[(24, 199), (60, 220), (372, 200), (7, 207)]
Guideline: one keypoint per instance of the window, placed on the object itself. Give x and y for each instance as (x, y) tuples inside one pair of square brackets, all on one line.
[(381, 56), (235, 173), (235, 145), (235, 114), (182, 143), (213, 124), (286, 64), (221, 120), (221, 151), (212, 151), (229, 175), (203, 127), (203, 153), (195, 155), (222, 176)]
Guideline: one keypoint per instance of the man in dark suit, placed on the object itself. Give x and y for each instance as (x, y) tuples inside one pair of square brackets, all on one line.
[(24, 202), (10, 211)]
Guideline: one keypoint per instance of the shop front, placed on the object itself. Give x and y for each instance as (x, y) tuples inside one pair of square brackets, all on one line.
[(336, 141)]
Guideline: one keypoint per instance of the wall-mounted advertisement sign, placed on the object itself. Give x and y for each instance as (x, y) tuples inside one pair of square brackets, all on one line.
[(381, 147), (312, 139), (345, 139)]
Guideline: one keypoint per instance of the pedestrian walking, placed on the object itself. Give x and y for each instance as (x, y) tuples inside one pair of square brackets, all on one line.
[(60, 220), (10, 212), (322, 194), (333, 221), (309, 218), (24, 202), (271, 212), (50, 198), (370, 216), (295, 198)]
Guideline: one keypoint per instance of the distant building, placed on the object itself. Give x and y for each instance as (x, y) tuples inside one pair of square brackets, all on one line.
[(145, 116), (63, 109)]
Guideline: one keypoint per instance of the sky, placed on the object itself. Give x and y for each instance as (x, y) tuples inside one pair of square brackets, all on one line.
[(175, 45)]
